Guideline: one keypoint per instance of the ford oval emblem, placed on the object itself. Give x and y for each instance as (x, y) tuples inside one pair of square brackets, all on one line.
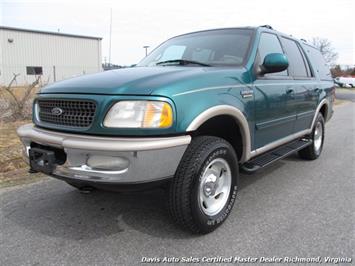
[(56, 111)]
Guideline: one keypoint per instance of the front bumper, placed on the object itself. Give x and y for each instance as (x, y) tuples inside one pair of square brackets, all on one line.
[(133, 160)]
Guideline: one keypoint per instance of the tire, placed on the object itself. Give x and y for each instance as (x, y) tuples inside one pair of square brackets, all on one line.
[(314, 150), (207, 160)]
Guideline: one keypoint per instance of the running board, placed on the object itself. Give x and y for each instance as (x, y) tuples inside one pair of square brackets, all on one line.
[(274, 155)]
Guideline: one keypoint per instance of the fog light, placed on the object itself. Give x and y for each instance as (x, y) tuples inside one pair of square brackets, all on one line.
[(107, 162)]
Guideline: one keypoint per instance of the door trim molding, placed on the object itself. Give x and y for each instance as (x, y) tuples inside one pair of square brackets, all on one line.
[(274, 122), (279, 142), (291, 137)]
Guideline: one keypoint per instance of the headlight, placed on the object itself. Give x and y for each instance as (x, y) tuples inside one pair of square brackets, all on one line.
[(139, 114)]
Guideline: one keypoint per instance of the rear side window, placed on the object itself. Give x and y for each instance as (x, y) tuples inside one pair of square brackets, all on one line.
[(296, 61), (269, 43), (318, 63)]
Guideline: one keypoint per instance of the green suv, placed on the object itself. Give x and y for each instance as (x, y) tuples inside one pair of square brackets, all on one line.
[(197, 110)]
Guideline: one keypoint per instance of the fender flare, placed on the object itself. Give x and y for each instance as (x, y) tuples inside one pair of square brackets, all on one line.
[(320, 105), (239, 118), (242, 123)]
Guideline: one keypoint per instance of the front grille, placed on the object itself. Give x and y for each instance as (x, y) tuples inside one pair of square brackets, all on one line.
[(71, 113)]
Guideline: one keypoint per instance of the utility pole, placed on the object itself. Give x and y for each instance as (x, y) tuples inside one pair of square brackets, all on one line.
[(54, 75), (146, 49), (109, 49)]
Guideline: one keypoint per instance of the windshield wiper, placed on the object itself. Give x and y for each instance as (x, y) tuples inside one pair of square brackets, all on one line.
[(182, 62)]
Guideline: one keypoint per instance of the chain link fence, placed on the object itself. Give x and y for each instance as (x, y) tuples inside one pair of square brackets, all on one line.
[(19, 85)]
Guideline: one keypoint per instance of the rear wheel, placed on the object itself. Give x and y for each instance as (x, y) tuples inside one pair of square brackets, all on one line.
[(313, 151), (204, 188)]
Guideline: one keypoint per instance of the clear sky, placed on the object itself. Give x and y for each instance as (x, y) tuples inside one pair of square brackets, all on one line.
[(138, 23)]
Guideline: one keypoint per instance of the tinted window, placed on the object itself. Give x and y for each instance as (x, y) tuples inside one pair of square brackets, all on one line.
[(318, 63), (309, 70), (269, 43), (295, 59), (174, 51), (202, 55), (214, 47)]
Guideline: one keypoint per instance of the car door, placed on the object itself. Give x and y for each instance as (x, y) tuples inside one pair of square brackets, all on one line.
[(274, 119), (305, 87)]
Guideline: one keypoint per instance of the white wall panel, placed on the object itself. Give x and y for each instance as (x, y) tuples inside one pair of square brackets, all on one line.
[(71, 56)]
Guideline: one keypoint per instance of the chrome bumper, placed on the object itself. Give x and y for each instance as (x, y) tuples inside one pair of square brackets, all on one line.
[(109, 159)]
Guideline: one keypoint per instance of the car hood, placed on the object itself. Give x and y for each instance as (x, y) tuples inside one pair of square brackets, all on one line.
[(126, 81), (159, 80)]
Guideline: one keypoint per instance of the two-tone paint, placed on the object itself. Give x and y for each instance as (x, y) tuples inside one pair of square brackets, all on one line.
[(269, 111)]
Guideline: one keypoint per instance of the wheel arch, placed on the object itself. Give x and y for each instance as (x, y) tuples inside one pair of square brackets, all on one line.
[(323, 108), (226, 112)]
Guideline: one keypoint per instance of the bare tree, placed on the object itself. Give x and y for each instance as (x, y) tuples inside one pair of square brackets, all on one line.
[(18, 104), (327, 50)]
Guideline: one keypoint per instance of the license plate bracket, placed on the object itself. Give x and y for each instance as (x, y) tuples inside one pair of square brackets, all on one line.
[(42, 160)]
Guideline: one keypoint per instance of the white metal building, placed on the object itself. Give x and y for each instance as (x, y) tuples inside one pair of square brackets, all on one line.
[(53, 55)]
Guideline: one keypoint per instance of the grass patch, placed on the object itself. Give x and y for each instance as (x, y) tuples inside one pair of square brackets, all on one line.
[(345, 90), (19, 177), (13, 170)]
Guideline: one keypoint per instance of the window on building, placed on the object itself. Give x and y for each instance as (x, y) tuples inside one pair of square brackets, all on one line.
[(34, 70)]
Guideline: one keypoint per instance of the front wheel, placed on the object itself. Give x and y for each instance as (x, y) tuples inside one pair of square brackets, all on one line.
[(314, 150), (204, 188)]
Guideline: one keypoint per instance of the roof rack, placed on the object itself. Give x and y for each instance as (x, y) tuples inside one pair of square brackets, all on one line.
[(267, 26)]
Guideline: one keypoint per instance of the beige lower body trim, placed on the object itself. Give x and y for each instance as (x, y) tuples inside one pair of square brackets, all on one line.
[(279, 142), (84, 142), (289, 138), (146, 159)]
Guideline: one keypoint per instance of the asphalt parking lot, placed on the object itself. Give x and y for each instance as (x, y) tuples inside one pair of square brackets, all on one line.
[(344, 94), (294, 208)]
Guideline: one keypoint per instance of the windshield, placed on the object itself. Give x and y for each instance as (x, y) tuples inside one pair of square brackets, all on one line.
[(227, 47)]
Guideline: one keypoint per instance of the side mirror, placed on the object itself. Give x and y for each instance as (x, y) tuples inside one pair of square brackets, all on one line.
[(273, 63)]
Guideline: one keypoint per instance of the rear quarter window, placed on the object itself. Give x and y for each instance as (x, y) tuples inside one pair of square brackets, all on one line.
[(295, 57), (318, 63)]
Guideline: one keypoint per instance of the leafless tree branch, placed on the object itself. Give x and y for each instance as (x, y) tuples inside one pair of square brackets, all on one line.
[(19, 103), (8, 88), (327, 50)]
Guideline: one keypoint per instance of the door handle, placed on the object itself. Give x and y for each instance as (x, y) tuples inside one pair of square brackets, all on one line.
[(289, 91)]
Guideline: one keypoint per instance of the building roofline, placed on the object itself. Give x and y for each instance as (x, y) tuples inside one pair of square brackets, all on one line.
[(50, 33)]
